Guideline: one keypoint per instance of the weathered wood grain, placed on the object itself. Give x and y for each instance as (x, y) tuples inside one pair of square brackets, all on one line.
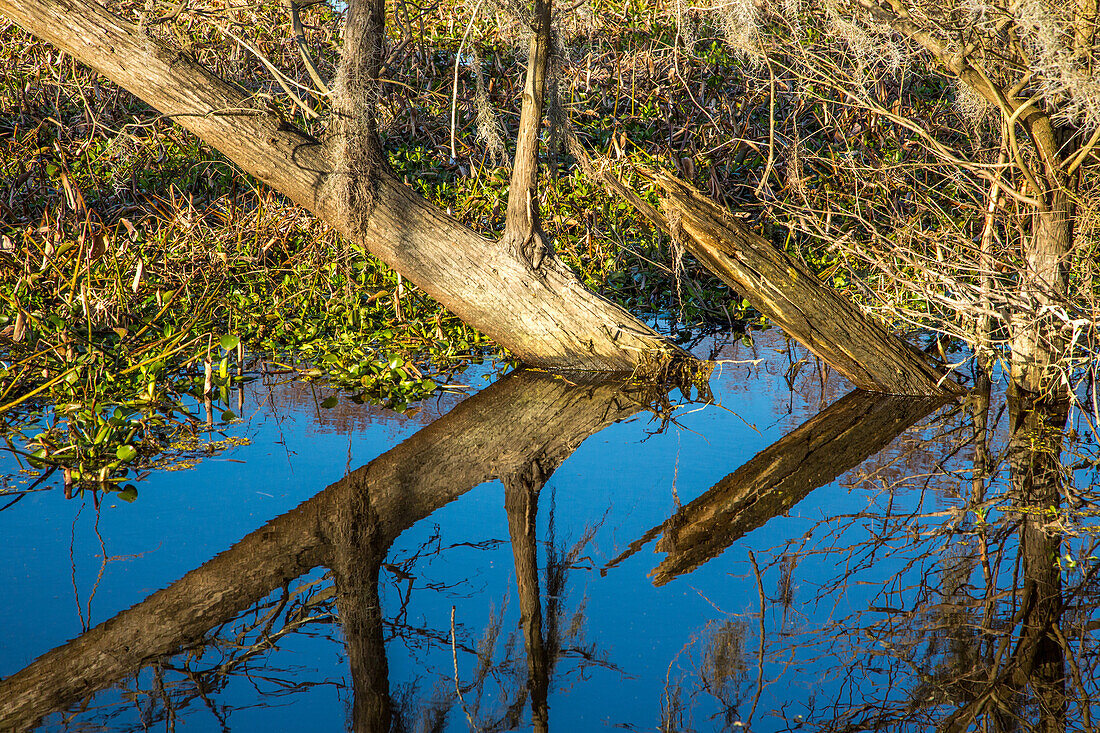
[(789, 294)]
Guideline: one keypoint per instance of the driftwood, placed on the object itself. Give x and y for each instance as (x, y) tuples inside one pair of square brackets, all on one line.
[(839, 438), (524, 418), (542, 314)]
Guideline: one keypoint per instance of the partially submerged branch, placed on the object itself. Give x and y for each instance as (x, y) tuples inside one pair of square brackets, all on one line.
[(785, 291)]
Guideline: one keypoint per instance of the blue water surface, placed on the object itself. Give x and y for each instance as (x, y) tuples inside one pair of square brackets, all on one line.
[(686, 655)]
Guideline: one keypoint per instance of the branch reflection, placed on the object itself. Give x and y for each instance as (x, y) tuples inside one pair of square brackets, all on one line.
[(836, 440)]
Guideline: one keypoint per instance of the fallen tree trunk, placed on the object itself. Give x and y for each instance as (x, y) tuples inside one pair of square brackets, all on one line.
[(783, 289), (543, 315), (788, 293)]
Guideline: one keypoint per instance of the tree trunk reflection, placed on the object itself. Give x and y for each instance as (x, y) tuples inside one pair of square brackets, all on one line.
[(1035, 449), (356, 552), (521, 499), (348, 526), (839, 438)]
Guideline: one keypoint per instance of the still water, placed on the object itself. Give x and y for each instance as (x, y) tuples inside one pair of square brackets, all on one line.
[(550, 553)]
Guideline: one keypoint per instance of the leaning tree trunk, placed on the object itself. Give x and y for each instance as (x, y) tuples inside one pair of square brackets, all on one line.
[(544, 317), (788, 293)]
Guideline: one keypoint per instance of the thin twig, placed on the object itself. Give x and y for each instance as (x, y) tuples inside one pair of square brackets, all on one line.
[(454, 88), (458, 687), (771, 130), (760, 655), (280, 77), (303, 49)]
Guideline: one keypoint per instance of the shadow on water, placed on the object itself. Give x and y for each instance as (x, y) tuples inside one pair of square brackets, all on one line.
[(969, 612)]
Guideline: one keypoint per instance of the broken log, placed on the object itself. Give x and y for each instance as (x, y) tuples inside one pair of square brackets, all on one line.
[(788, 293), (543, 315), (836, 440)]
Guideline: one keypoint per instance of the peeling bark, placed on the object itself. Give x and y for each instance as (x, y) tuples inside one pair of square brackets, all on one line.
[(785, 291)]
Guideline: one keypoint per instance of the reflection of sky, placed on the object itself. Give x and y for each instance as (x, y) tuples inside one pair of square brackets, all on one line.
[(624, 480)]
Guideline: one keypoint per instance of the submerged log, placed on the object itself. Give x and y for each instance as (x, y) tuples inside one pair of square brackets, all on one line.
[(839, 438), (543, 315), (788, 293), (525, 417)]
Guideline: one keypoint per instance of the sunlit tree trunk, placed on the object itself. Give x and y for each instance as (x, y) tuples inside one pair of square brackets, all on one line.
[(546, 318), (522, 229), (1037, 343)]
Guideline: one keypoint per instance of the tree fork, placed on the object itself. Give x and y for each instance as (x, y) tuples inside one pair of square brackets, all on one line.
[(551, 320)]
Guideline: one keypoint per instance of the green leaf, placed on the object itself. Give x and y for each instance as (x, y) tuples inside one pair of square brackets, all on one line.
[(36, 458), (229, 416), (128, 493), (229, 342), (126, 453), (330, 402)]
